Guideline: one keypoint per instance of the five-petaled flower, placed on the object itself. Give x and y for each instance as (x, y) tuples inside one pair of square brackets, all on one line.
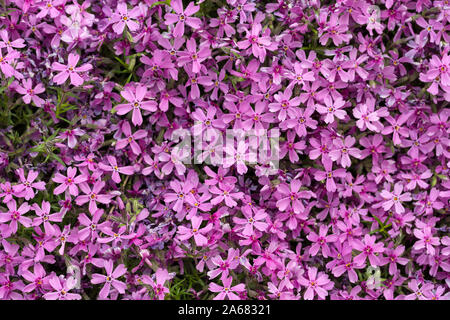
[(70, 70)]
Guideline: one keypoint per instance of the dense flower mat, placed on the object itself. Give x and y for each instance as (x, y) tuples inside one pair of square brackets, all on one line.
[(101, 199)]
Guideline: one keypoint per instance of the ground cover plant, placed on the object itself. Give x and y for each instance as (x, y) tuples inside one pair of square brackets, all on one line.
[(224, 149)]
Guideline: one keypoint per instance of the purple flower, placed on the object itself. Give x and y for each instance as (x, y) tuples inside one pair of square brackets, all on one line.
[(70, 70), (136, 103), (62, 287), (321, 241), (226, 291), (196, 232), (395, 198), (123, 18), (26, 187), (115, 169), (369, 249), (69, 182), (15, 216), (316, 283), (110, 279), (181, 17)]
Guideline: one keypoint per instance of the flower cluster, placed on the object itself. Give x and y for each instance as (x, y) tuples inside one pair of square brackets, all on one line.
[(102, 198)]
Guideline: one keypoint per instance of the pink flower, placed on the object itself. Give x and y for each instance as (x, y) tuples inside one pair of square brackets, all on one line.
[(162, 276), (123, 18), (224, 193), (393, 257), (180, 17), (329, 175), (68, 182), (284, 105), (91, 226), (15, 216), (25, 189), (332, 109), (115, 169), (70, 136), (193, 56), (131, 138), (426, 240), (70, 70), (395, 198), (290, 196), (368, 249), (252, 221), (110, 279), (62, 288), (316, 284), (136, 103), (44, 216), (7, 61), (6, 43), (49, 7), (93, 196), (344, 150), (224, 267), (198, 234), (320, 241), (227, 291), (30, 93)]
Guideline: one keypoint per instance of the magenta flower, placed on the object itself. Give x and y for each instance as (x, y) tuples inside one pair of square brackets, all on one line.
[(70, 70), (224, 193), (226, 291), (219, 266), (332, 109), (344, 150), (92, 196), (10, 257), (393, 258), (115, 236), (180, 17), (301, 120), (122, 18), (198, 234), (395, 198), (291, 196), (7, 61), (115, 169), (329, 174), (321, 241), (256, 220), (421, 291), (30, 93), (49, 7), (26, 187), (62, 287), (396, 128), (130, 138), (91, 225), (369, 249), (438, 73), (316, 283), (68, 182), (136, 103), (44, 216), (38, 279), (70, 135), (193, 56), (284, 105), (426, 240), (158, 284), (6, 43), (110, 279)]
